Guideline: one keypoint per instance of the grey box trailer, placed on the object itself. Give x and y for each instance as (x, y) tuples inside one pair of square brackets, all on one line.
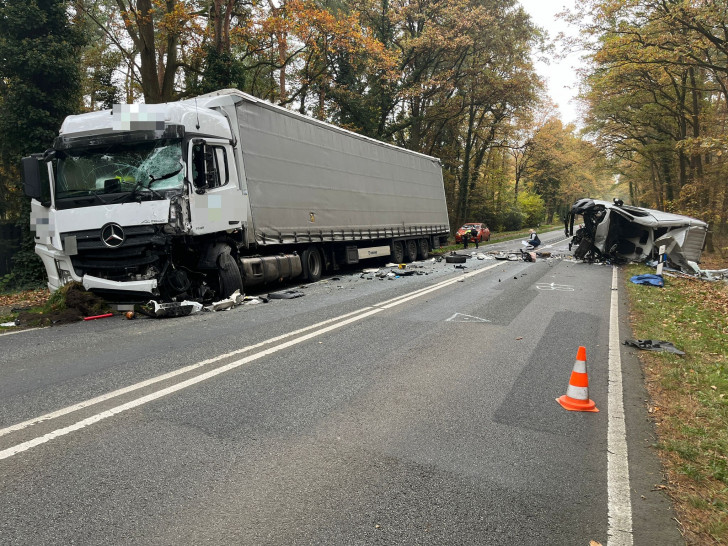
[(309, 180)]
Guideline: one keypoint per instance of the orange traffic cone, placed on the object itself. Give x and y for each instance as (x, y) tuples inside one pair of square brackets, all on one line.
[(577, 394)]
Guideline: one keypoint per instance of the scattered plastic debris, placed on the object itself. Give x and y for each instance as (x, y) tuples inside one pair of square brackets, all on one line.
[(8, 324), (174, 309), (649, 279), (236, 298), (653, 345), (254, 300)]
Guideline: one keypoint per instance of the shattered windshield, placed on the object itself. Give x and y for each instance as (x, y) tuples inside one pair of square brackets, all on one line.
[(120, 167)]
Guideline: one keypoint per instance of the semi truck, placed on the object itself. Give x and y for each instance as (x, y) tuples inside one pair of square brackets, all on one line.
[(199, 198)]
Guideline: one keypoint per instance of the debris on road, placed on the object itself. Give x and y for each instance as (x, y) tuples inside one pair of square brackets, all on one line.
[(649, 279), (653, 345), (155, 309), (236, 298), (286, 295), (454, 258), (105, 315)]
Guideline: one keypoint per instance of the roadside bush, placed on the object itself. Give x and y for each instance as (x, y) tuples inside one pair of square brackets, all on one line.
[(513, 220), (532, 207)]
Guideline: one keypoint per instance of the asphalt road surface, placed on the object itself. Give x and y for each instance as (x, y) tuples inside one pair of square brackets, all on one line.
[(417, 410)]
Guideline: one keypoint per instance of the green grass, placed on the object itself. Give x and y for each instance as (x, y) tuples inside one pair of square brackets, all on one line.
[(691, 393)]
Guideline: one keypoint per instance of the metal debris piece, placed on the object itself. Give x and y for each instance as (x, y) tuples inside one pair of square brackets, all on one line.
[(174, 309), (653, 345)]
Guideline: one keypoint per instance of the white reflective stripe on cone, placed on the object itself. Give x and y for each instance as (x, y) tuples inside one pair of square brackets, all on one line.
[(579, 393)]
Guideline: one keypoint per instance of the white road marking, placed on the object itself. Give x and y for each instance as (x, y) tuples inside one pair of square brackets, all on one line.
[(460, 317), (556, 287), (11, 332), (339, 321), (557, 243), (164, 377), (619, 514)]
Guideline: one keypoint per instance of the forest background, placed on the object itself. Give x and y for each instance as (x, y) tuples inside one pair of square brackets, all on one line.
[(450, 78)]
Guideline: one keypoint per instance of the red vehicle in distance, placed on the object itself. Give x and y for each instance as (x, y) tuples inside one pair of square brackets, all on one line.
[(482, 235)]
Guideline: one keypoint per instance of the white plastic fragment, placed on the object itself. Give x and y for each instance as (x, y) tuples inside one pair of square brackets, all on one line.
[(236, 298)]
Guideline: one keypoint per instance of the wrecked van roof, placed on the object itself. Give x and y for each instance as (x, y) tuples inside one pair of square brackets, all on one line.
[(650, 217)]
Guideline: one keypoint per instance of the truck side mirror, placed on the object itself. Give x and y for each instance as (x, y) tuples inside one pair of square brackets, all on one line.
[(31, 176)]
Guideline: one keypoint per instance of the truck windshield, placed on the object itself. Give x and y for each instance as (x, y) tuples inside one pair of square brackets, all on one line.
[(119, 168)]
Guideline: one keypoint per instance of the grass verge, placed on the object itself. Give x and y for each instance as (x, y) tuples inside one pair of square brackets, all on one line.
[(689, 395)]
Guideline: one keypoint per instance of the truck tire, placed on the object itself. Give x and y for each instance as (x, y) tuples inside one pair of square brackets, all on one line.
[(397, 252), (312, 264), (410, 250), (228, 275), (423, 249)]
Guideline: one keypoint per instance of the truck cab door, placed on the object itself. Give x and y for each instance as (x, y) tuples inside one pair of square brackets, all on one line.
[(216, 200)]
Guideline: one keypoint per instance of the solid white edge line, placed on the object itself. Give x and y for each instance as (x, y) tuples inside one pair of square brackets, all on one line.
[(12, 332), (619, 513), (361, 313)]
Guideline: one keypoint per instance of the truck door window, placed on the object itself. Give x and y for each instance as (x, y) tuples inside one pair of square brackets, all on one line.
[(219, 160), (209, 166)]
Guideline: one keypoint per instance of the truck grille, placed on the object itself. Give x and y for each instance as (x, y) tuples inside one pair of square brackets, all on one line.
[(132, 257)]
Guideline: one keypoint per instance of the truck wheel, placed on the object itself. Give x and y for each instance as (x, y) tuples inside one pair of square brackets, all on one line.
[(229, 275), (423, 249), (312, 264), (397, 252), (411, 250)]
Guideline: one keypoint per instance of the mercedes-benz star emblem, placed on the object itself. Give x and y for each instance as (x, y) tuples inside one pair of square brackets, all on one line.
[(112, 235)]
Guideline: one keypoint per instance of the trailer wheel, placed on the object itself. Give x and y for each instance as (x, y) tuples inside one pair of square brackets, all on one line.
[(397, 252), (411, 250), (228, 275), (423, 249), (312, 263)]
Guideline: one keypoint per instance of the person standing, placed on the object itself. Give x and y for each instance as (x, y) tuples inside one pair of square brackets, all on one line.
[(474, 235)]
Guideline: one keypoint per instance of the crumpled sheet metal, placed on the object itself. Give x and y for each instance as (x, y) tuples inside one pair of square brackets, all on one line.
[(653, 345)]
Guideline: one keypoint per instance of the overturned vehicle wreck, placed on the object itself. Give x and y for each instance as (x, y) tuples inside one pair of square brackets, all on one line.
[(622, 233)]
